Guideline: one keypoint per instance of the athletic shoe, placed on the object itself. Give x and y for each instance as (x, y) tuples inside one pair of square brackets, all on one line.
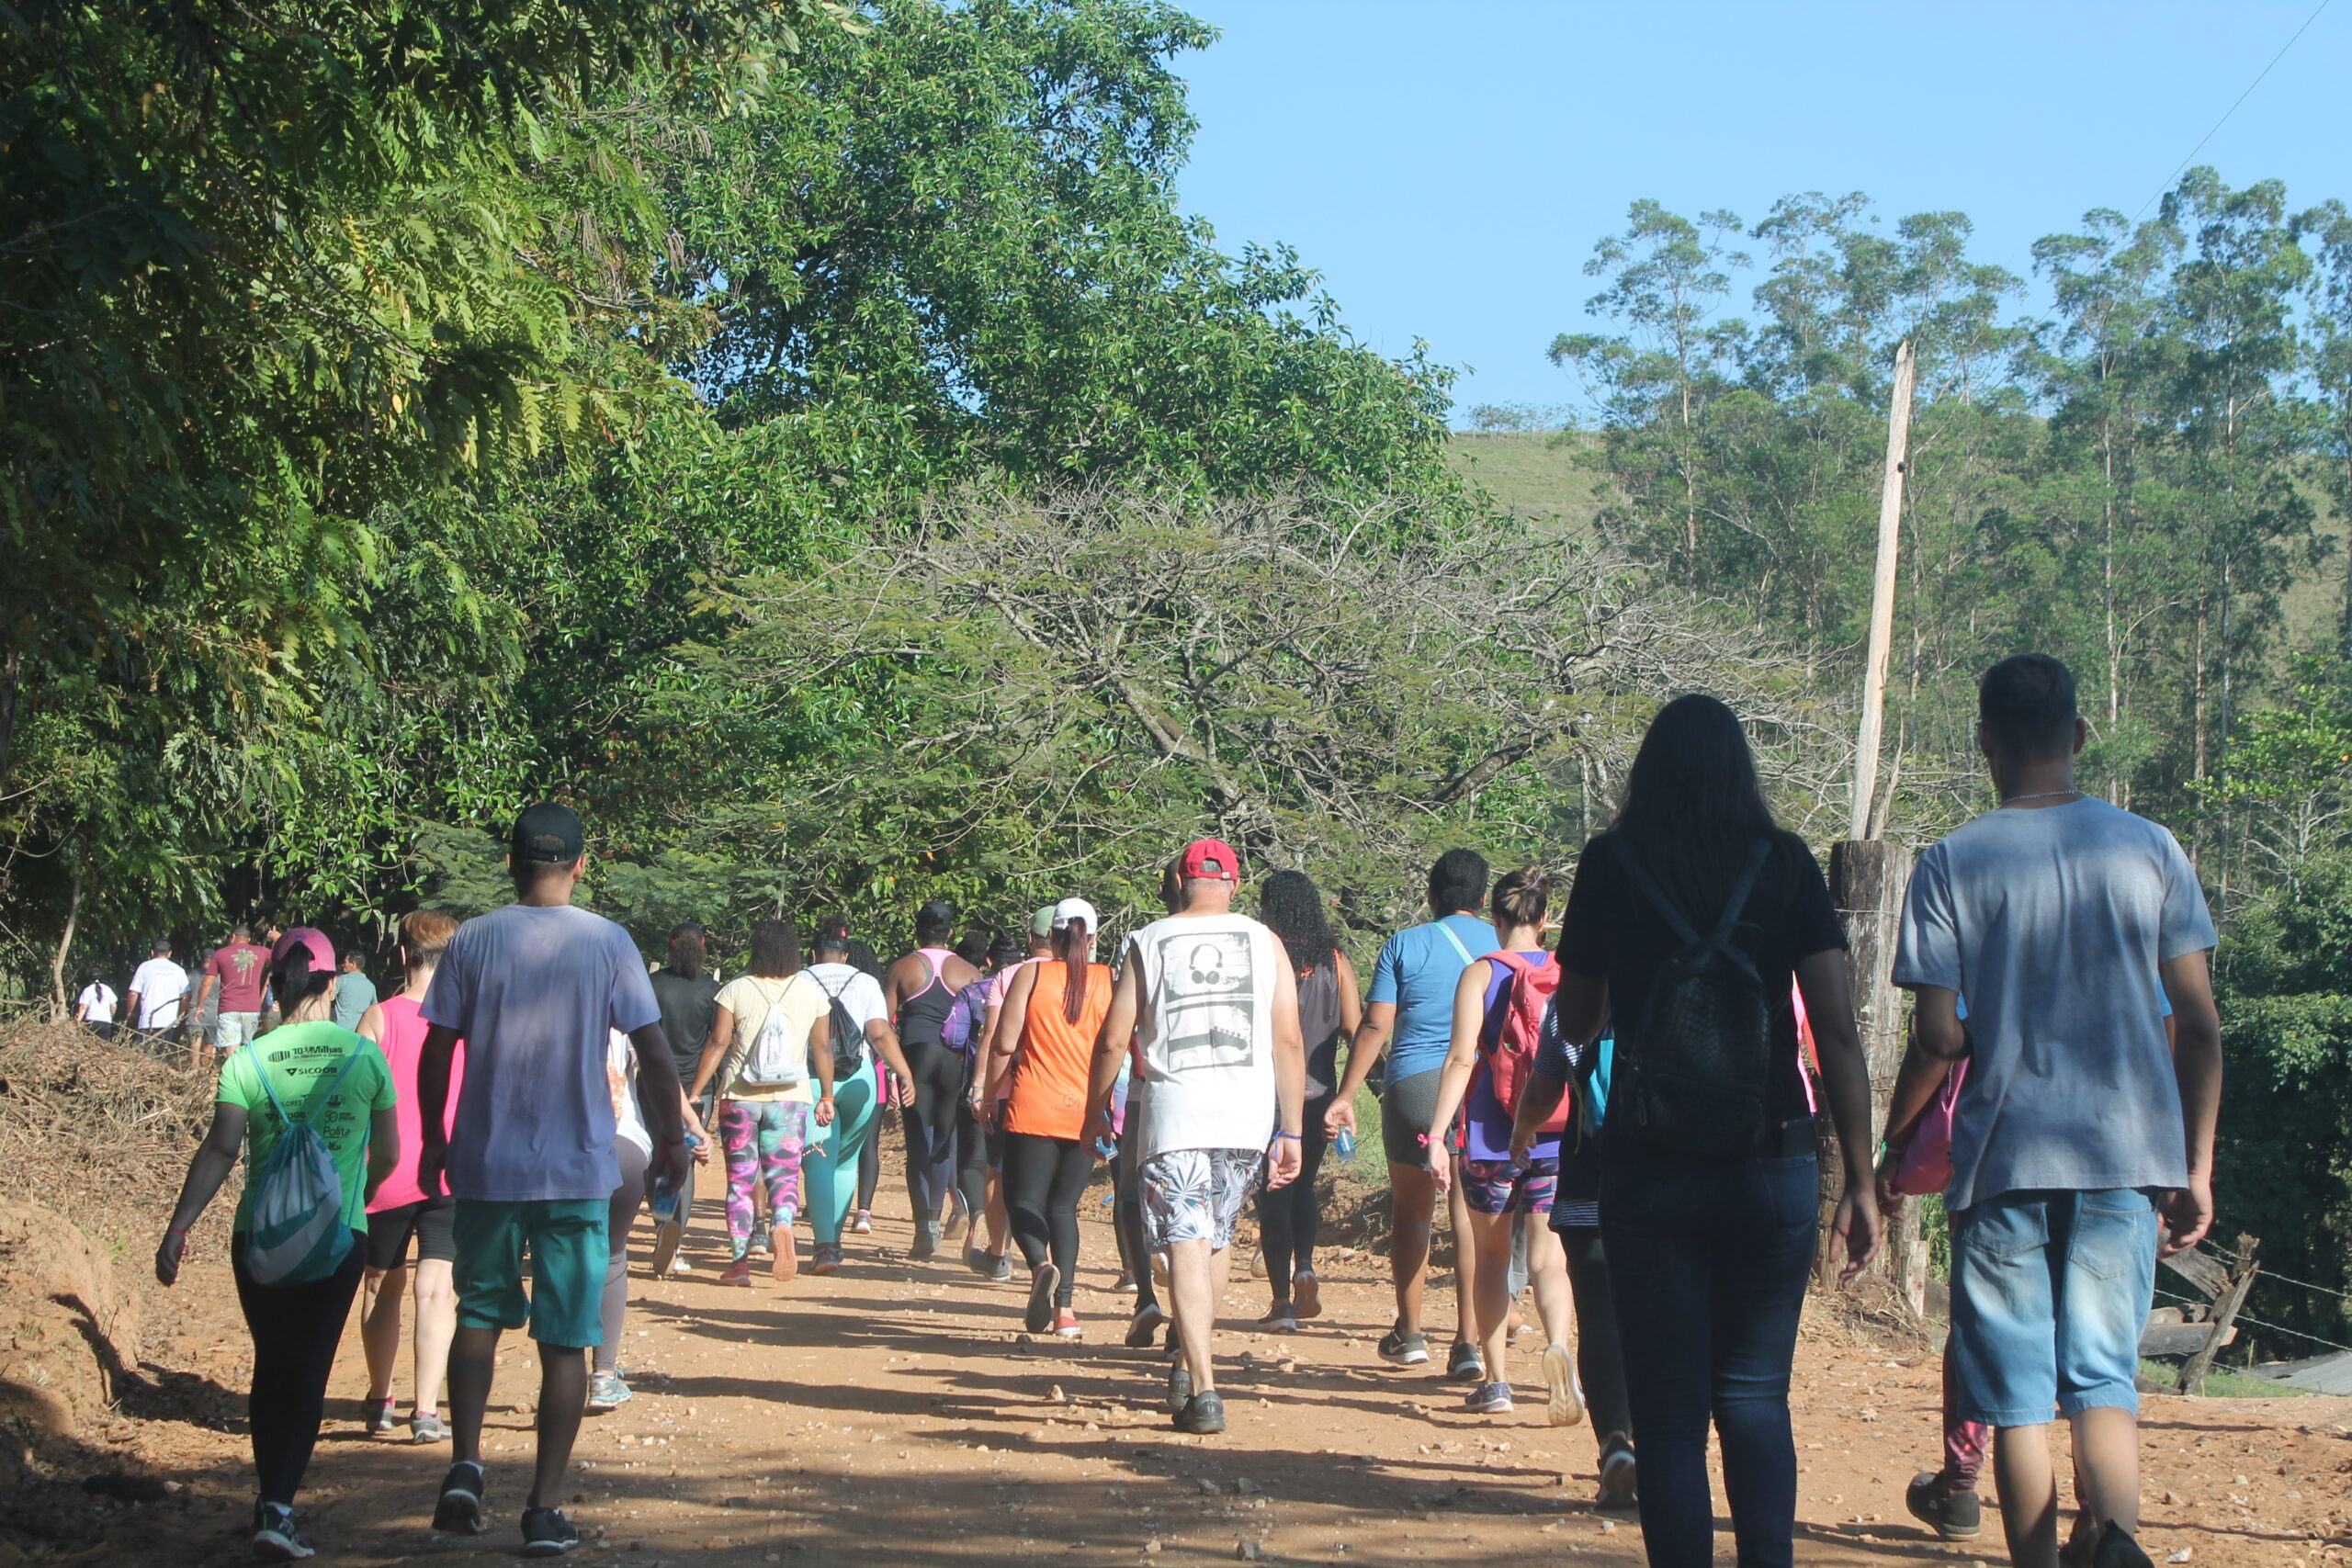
[(2116, 1549), (274, 1538), (668, 1231), (977, 1261), (679, 1268), (1463, 1363), (1065, 1325), (1567, 1403), (1044, 1280), (546, 1533), (1955, 1514), (377, 1419), (758, 1243), (426, 1426), (1002, 1270), (788, 1253), (1279, 1320), (1125, 1285), (606, 1391), (738, 1273), (925, 1246), (1306, 1293), (828, 1259), (2081, 1545), (1143, 1327), (459, 1509), (954, 1225), (1489, 1399), (864, 1223), (1405, 1349), (1619, 1476), (1202, 1413)]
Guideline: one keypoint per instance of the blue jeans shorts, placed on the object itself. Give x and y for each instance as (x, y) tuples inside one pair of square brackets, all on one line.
[(2049, 1292)]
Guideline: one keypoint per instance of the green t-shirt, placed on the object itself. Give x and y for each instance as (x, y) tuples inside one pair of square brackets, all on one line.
[(301, 1059)]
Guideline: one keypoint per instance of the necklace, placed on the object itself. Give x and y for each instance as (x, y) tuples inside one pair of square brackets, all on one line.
[(2045, 795)]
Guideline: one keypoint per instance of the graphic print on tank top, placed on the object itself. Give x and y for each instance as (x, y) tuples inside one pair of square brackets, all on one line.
[(1209, 1009)]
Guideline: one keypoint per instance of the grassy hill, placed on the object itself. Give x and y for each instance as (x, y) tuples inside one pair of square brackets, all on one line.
[(1534, 475)]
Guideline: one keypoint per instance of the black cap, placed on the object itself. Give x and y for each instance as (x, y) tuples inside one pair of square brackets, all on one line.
[(547, 834)]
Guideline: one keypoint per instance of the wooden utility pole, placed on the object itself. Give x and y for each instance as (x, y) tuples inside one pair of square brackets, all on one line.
[(2225, 1312), (1881, 643)]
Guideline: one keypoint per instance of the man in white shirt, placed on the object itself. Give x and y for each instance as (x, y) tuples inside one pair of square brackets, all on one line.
[(158, 991), (1209, 999)]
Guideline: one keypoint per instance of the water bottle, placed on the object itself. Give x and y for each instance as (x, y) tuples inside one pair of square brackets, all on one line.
[(1344, 1146), (664, 1200)]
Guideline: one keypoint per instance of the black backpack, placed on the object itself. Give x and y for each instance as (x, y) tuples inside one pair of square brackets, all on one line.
[(1689, 1078), (846, 1038)]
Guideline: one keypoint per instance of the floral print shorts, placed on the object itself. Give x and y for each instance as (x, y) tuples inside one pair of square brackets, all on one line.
[(1196, 1194)]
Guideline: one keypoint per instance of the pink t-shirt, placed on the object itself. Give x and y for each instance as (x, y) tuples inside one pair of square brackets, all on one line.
[(404, 1043)]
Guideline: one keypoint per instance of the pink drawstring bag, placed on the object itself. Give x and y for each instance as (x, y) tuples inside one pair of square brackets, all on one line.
[(1926, 1160)]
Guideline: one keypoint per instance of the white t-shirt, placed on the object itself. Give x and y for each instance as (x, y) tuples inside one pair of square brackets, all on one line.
[(1207, 1033), (860, 994), (160, 984), (620, 1071), (99, 999)]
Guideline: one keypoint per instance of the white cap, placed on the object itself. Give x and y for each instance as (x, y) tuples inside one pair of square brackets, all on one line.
[(1070, 909)]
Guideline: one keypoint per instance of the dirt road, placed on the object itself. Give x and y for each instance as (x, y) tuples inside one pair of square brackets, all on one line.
[(894, 1414)]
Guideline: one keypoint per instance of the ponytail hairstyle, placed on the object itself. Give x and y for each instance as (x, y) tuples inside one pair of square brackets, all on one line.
[(933, 922), (1074, 945), (295, 981), (424, 936), (1520, 897)]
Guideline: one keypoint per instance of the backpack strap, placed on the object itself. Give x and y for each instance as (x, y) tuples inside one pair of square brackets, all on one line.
[(1738, 901), (1647, 886), (1456, 941), (1509, 960)]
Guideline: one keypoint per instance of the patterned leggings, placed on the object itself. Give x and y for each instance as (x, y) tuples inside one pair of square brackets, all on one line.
[(763, 1140)]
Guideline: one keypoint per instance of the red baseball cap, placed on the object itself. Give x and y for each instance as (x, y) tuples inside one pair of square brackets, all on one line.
[(1212, 859)]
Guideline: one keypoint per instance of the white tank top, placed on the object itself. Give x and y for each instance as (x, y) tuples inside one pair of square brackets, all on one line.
[(1206, 1032)]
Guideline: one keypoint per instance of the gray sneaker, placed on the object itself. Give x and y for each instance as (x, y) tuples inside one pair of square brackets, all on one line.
[(427, 1427), (1464, 1364)]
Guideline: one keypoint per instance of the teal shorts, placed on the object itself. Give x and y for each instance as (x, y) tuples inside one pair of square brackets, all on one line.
[(566, 1239)]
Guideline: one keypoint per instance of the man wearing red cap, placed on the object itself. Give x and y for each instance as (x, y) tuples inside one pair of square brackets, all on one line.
[(1210, 998)]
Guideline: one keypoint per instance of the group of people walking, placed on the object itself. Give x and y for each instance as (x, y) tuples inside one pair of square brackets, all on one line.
[(1623, 1121)]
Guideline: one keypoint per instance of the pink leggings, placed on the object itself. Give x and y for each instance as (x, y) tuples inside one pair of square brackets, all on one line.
[(763, 1139), (1964, 1441)]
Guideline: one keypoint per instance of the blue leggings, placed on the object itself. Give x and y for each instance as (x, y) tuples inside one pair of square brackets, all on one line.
[(828, 1168)]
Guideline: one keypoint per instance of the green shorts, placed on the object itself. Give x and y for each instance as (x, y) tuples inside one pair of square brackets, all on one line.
[(566, 1236)]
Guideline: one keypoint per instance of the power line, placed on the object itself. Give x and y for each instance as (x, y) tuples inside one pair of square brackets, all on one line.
[(2233, 108)]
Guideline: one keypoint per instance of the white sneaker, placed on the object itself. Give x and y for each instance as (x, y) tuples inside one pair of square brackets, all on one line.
[(1566, 1405)]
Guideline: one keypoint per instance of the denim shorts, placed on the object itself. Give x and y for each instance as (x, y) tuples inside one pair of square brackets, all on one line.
[(2050, 1293)]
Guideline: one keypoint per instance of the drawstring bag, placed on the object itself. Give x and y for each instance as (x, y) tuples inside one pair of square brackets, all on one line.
[(297, 1232)]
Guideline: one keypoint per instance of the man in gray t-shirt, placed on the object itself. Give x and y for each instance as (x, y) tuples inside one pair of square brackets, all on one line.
[(2083, 1139)]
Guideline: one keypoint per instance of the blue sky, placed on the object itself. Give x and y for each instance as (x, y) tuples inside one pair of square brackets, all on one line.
[(1448, 166)]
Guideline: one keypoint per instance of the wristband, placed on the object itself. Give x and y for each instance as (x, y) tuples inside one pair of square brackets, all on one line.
[(1293, 1137)]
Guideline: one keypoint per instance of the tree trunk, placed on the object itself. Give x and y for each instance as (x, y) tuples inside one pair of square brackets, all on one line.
[(1867, 878), (59, 1011)]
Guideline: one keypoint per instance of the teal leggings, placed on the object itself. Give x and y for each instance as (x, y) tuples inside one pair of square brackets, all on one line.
[(828, 1168)]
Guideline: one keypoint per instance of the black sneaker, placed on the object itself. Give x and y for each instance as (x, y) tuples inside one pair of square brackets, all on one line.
[(1405, 1349), (1002, 1270), (1202, 1413), (926, 1243), (459, 1510), (1279, 1319), (546, 1533), (2116, 1549), (1180, 1388), (1464, 1364), (1619, 1477), (1042, 1282), (1143, 1327), (274, 1538), (1954, 1513)]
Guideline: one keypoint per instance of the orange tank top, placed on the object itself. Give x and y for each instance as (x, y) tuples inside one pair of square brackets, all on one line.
[(1050, 1080)]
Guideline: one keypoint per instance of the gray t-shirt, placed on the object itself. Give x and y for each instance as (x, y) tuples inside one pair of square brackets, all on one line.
[(535, 992), (354, 995), (2052, 923)]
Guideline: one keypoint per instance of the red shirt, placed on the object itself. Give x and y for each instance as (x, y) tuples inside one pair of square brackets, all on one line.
[(240, 967)]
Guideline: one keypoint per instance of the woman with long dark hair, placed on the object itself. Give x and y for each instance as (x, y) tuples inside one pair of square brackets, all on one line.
[(1329, 1006), (309, 1071), (1053, 1011), (1685, 924)]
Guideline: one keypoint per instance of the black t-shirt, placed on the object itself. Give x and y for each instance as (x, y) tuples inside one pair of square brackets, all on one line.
[(1612, 932), (688, 1003)]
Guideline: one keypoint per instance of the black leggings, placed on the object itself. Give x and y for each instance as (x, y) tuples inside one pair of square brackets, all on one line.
[(869, 1162), (1599, 1366), (930, 1125), (295, 1330), (1290, 1216), (971, 1156), (1043, 1178)]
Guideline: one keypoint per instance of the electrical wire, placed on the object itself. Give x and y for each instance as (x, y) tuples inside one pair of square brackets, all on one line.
[(2233, 108)]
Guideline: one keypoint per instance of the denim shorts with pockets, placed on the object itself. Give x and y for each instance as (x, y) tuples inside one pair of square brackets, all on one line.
[(2050, 1293)]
